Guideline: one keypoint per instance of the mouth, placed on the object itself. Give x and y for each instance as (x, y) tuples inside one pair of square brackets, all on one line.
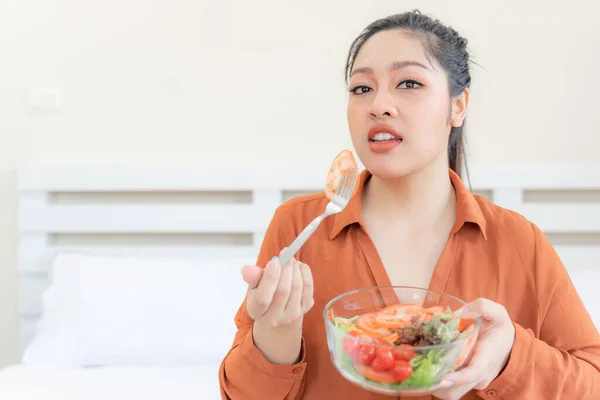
[(383, 134)]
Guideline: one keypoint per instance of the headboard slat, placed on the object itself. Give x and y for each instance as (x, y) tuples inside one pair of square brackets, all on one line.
[(150, 204)]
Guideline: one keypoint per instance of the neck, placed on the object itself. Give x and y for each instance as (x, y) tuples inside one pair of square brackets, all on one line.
[(420, 200)]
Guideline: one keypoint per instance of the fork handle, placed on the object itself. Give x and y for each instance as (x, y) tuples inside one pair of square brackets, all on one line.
[(288, 253)]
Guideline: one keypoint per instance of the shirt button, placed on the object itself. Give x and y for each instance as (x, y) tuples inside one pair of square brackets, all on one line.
[(491, 393), (297, 370)]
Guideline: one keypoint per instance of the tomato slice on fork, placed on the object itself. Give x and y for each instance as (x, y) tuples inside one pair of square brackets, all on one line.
[(343, 163)]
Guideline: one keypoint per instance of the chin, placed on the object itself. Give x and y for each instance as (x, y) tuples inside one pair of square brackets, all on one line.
[(390, 168)]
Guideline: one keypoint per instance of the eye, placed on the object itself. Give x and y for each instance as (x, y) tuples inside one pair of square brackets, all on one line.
[(410, 84), (361, 89)]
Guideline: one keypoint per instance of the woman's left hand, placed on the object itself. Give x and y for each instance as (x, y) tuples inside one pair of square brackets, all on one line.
[(490, 355)]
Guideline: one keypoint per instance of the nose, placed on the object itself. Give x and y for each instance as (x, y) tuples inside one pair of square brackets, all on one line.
[(383, 106)]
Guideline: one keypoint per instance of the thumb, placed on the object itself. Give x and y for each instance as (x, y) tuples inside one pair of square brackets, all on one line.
[(252, 275), (484, 308)]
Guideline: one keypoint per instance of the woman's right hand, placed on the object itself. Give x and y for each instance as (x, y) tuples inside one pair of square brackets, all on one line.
[(279, 296)]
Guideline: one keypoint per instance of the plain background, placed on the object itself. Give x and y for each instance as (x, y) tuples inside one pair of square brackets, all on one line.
[(260, 82)]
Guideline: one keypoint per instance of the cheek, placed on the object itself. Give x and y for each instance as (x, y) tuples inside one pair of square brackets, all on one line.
[(428, 122), (356, 120)]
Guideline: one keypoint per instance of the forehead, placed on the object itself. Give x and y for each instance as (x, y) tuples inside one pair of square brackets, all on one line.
[(389, 46)]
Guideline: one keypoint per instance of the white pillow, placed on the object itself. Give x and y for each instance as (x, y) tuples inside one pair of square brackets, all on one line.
[(125, 310)]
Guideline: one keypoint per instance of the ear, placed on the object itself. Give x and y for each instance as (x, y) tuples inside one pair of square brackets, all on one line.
[(460, 104)]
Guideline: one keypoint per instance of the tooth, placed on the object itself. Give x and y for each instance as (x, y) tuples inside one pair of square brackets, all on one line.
[(383, 136)]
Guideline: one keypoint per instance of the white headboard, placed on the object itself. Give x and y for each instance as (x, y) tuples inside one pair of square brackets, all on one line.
[(187, 211)]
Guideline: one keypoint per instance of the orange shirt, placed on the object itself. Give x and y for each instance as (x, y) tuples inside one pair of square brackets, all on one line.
[(491, 252)]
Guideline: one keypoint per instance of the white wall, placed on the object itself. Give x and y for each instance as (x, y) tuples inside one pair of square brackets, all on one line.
[(261, 82)]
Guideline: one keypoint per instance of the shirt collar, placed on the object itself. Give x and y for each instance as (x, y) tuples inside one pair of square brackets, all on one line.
[(467, 207)]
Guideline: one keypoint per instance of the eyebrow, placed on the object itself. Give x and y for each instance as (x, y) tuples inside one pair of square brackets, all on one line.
[(396, 65)]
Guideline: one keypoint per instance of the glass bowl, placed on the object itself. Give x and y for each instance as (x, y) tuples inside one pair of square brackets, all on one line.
[(398, 340)]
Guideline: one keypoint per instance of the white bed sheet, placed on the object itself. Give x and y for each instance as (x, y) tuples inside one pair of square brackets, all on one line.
[(22, 382)]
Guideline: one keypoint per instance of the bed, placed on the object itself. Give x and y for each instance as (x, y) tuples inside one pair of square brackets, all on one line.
[(129, 277)]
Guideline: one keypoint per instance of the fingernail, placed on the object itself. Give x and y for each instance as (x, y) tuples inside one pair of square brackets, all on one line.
[(461, 311), (445, 384), (274, 263)]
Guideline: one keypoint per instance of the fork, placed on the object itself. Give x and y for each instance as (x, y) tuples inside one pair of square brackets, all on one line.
[(338, 202)]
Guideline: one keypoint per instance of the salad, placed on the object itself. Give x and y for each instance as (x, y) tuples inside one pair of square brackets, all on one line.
[(401, 347)]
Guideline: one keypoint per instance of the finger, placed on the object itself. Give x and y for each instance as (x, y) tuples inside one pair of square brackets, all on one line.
[(484, 308), (451, 392), (474, 372), (484, 383), (291, 262), (280, 296), (293, 308), (307, 288), (252, 275), (260, 298)]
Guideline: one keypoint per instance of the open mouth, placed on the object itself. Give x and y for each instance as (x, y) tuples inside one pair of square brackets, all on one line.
[(384, 137)]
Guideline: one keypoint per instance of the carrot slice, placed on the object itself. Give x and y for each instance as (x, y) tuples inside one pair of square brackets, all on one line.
[(342, 163), (368, 323)]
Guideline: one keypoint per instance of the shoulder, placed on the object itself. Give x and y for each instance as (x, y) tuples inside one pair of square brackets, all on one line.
[(507, 229), (303, 203), (298, 211), (288, 220), (499, 219)]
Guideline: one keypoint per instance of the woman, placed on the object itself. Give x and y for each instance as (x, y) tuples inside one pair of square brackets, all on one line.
[(412, 222)]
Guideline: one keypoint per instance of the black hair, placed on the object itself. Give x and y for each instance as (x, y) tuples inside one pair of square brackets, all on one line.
[(442, 43)]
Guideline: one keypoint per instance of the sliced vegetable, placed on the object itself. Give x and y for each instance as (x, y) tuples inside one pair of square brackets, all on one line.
[(369, 323), (398, 315), (373, 359), (466, 349), (343, 163), (377, 376)]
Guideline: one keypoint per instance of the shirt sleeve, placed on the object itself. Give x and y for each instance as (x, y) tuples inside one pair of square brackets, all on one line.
[(564, 361), (245, 374)]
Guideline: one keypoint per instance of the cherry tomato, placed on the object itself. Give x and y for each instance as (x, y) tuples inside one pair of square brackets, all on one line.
[(401, 371), (366, 354), (384, 357), (350, 345), (377, 366), (403, 352)]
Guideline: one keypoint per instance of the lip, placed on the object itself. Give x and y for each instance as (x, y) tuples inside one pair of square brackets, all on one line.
[(383, 129)]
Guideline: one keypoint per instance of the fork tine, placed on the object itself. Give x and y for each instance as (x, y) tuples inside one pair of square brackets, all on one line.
[(340, 185), (349, 184), (353, 183)]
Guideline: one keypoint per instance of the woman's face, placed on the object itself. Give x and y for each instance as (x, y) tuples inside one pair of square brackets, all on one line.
[(400, 111)]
